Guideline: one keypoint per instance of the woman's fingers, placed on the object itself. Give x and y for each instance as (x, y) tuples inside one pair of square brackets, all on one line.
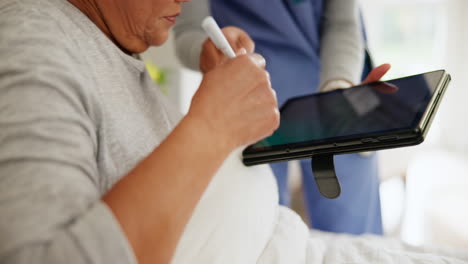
[(244, 41), (237, 102), (239, 40)]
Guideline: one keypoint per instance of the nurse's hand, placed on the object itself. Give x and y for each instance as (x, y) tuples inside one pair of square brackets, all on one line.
[(374, 76), (235, 104), (377, 73), (210, 56)]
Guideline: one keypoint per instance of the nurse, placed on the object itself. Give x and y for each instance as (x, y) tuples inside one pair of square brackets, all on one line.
[(310, 46)]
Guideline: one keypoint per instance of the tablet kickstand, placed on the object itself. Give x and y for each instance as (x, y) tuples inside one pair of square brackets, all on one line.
[(325, 177)]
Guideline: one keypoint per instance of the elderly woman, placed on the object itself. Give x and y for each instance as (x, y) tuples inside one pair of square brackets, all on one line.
[(96, 167), (93, 168)]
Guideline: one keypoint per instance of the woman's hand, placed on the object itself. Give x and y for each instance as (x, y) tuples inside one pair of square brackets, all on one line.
[(210, 56), (233, 106), (235, 102)]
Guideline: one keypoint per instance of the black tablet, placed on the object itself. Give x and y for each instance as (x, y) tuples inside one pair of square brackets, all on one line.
[(369, 117)]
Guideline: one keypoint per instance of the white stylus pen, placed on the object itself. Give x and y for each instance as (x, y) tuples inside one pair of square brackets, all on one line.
[(216, 35)]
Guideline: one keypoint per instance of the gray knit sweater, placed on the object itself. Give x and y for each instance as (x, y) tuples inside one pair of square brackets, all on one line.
[(76, 114)]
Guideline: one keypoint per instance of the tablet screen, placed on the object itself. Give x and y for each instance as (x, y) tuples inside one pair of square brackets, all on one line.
[(361, 111)]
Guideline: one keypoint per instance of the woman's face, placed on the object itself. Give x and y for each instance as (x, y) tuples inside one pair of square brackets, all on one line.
[(143, 23), (154, 18)]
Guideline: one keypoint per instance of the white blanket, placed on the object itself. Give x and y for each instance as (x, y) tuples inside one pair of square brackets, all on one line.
[(293, 243), (238, 220)]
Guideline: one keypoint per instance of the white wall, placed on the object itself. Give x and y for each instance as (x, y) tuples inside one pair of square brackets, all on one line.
[(448, 49), (417, 36)]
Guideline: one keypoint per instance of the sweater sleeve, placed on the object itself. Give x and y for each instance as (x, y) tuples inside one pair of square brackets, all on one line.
[(342, 44), (189, 35), (50, 195)]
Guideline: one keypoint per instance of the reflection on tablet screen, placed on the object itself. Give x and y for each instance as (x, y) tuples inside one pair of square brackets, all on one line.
[(365, 110)]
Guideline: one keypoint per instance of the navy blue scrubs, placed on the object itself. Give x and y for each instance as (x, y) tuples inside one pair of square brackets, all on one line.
[(287, 33)]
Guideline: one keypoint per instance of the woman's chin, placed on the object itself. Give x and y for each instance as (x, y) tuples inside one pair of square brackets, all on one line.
[(140, 45), (159, 39)]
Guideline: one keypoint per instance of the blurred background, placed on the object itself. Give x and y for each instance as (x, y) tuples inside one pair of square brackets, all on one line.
[(424, 189)]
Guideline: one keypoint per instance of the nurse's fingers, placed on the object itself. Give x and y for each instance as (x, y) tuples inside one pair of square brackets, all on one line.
[(377, 73)]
